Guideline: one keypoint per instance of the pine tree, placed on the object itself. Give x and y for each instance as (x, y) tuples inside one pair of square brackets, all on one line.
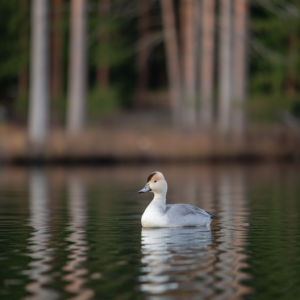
[(77, 67), (39, 86)]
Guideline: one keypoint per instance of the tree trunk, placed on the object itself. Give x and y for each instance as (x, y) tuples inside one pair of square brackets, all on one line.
[(240, 64), (142, 58), (103, 70), (39, 91), (56, 71), (23, 73), (172, 55), (225, 71), (207, 63), (189, 62), (77, 67)]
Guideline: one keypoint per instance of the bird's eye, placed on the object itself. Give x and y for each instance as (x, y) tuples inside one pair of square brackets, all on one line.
[(155, 181)]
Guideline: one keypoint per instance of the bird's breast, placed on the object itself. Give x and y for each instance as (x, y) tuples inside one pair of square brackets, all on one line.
[(153, 217)]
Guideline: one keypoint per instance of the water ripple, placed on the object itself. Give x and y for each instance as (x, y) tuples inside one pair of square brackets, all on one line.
[(78, 247), (39, 241)]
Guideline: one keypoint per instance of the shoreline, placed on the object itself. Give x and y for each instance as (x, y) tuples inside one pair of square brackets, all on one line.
[(117, 145)]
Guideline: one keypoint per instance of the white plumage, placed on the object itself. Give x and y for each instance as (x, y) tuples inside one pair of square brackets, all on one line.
[(160, 214)]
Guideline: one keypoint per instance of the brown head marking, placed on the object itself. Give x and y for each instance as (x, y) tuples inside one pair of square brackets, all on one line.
[(155, 176), (150, 176)]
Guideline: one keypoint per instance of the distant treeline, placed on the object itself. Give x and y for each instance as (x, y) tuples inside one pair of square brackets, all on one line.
[(128, 56)]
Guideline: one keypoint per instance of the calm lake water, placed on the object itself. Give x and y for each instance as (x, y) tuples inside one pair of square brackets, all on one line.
[(76, 234)]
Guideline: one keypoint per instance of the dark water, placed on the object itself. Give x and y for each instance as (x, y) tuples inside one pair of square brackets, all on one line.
[(76, 234)]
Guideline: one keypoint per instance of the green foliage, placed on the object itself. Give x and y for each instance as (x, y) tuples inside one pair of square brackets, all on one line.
[(111, 37), (102, 102), (13, 24), (58, 108), (277, 33), (107, 46), (268, 109), (274, 65), (20, 106), (13, 47)]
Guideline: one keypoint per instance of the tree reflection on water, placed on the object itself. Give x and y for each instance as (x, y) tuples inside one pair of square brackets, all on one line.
[(79, 245), (39, 250)]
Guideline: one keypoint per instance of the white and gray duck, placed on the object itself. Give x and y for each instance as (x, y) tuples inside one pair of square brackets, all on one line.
[(160, 214)]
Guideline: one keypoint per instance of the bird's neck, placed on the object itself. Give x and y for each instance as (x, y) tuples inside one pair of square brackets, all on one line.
[(159, 199)]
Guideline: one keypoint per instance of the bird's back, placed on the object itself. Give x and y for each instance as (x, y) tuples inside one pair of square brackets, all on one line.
[(187, 215)]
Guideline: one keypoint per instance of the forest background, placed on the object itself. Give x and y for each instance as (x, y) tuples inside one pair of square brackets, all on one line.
[(127, 62)]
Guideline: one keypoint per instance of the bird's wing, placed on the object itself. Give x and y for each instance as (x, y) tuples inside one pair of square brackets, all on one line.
[(186, 209)]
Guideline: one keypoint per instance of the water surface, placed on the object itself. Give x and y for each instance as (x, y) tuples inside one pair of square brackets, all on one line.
[(76, 234)]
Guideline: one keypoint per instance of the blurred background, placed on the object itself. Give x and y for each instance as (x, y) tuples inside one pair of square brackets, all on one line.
[(149, 79), (115, 83)]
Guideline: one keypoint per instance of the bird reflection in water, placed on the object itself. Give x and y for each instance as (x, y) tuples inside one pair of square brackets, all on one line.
[(39, 248), (174, 260), (78, 248)]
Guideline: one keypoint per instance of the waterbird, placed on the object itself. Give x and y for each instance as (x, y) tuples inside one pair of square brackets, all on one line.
[(160, 214)]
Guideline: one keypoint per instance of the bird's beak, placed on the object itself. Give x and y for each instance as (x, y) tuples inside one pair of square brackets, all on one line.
[(145, 189)]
